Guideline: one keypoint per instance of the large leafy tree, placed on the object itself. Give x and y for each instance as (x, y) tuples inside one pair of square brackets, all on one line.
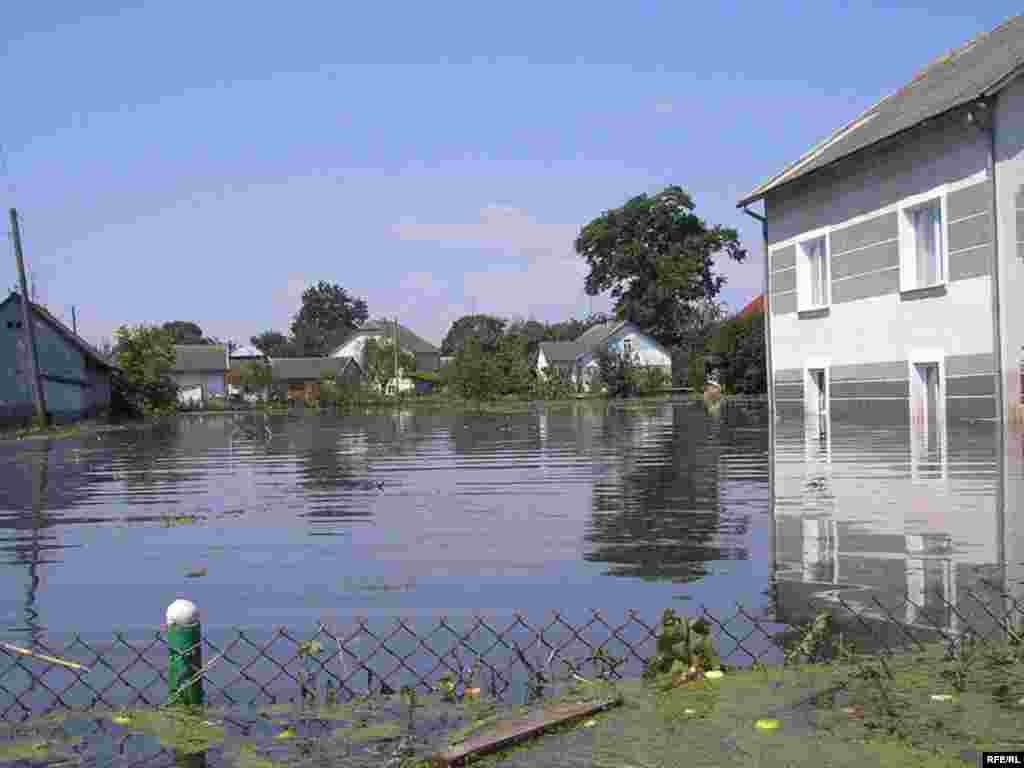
[(485, 329), (327, 317), (656, 258)]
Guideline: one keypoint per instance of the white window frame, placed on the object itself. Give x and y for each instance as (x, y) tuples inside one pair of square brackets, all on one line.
[(917, 430), (908, 266), (803, 271), (810, 398)]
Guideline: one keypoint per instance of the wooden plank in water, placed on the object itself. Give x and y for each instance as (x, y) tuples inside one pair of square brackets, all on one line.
[(508, 732)]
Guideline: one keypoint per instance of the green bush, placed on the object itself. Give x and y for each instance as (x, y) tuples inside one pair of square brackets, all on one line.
[(554, 384), (146, 356)]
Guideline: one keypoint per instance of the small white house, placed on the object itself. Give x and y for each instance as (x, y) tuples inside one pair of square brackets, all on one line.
[(200, 371), (579, 358)]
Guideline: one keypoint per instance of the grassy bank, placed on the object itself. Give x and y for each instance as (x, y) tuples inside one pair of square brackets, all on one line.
[(77, 430)]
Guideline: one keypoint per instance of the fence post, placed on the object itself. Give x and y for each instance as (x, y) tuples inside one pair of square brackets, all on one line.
[(185, 654)]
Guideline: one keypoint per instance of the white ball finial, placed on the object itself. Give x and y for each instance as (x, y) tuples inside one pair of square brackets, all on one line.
[(182, 613)]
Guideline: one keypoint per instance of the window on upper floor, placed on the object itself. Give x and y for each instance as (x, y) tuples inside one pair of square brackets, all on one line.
[(923, 245), (812, 273)]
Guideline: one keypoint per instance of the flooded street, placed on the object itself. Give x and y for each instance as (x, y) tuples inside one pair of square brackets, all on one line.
[(415, 514), (614, 507)]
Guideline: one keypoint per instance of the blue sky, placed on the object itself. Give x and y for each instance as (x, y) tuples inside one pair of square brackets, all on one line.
[(207, 161)]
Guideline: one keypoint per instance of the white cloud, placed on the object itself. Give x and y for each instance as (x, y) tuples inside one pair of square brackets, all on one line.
[(511, 230)]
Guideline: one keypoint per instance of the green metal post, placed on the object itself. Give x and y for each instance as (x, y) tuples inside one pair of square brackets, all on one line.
[(185, 654)]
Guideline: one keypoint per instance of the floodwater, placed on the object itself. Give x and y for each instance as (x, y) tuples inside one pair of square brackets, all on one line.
[(323, 518), (296, 520)]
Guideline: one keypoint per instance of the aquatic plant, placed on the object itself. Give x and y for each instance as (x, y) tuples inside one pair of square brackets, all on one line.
[(683, 648)]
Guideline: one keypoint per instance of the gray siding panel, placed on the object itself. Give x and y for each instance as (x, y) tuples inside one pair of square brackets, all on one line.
[(970, 232), (789, 392), (867, 389), (868, 260), (868, 412), (784, 257), (959, 408), (784, 281), (969, 200), (1020, 224), (877, 284), (984, 384), (866, 233), (783, 303), (973, 263), (966, 365), (894, 369), (789, 375)]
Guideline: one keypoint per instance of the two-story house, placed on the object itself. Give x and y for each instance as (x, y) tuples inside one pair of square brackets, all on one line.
[(896, 250)]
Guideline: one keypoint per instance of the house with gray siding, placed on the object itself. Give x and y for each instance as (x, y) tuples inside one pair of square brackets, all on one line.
[(200, 371), (76, 377), (895, 246)]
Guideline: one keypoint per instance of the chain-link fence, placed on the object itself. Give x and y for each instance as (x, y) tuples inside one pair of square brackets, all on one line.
[(252, 668)]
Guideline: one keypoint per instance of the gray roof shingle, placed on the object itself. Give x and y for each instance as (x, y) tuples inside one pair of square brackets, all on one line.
[(73, 338), (407, 340), (308, 368), (598, 333), (561, 351), (975, 70), (190, 358)]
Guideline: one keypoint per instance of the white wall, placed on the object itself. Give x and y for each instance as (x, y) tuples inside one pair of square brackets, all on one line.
[(884, 328), (1009, 125)]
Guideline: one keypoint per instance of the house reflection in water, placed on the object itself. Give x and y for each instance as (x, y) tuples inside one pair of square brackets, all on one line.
[(918, 520)]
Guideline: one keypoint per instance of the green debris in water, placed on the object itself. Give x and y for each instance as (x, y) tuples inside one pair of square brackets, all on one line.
[(375, 732), (187, 732)]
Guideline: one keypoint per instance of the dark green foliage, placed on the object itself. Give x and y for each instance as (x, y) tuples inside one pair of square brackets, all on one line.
[(696, 373), (185, 332), (274, 344), (656, 258), (485, 329), (255, 376), (617, 372), (473, 374), (327, 317), (649, 380), (682, 644), (555, 384), (379, 358), (740, 344)]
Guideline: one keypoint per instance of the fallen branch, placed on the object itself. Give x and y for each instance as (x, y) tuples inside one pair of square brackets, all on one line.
[(41, 657)]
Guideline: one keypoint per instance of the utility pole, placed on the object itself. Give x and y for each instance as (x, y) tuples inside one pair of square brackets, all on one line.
[(74, 321), (396, 357), (26, 319)]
